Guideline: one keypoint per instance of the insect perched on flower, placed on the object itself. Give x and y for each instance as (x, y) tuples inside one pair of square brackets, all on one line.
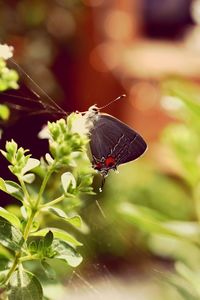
[(112, 142)]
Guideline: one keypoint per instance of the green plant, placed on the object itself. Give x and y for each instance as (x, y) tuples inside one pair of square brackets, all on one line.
[(21, 235)]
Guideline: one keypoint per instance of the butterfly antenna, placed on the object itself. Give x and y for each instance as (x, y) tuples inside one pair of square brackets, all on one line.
[(25, 98), (116, 99), (38, 87)]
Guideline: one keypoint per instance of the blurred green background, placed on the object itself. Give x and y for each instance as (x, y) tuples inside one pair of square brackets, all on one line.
[(142, 233)]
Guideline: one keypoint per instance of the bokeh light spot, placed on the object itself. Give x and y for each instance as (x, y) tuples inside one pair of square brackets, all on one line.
[(144, 95), (118, 25), (105, 57), (61, 23), (93, 3)]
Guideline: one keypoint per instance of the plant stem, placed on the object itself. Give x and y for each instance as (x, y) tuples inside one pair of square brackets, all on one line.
[(18, 254), (28, 257), (29, 224), (43, 185), (26, 194), (53, 202), (12, 269)]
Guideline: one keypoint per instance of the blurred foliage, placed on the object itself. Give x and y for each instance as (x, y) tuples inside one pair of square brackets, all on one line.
[(8, 77), (153, 206), (4, 112), (169, 210)]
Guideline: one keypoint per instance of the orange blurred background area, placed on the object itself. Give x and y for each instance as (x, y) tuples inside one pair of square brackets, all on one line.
[(86, 52), (91, 51)]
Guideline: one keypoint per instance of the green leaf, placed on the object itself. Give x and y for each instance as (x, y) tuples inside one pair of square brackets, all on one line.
[(60, 234), (5, 253), (2, 184), (155, 223), (24, 285), (146, 219), (32, 247), (188, 93), (2, 279), (10, 217), (24, 214), (182, 287), (31, 164), (48, 239), (190, 230), (40, 247), (10, 236), (49, 271), (66, 253), (11, 188), (68, 179), (4, 264), (35, 225), (191, 277), (75, 220)]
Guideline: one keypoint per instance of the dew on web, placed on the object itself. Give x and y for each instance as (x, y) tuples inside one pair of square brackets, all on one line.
[(87, 283), (100, 209), (103, 284)]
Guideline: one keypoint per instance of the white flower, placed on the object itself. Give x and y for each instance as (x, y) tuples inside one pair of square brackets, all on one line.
[(6, 51), (81, 124), (44, 133)]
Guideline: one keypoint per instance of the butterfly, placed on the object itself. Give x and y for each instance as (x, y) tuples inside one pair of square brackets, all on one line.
[(112, 142)]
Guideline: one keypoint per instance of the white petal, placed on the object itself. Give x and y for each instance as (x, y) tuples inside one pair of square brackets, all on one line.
[(6, 51)]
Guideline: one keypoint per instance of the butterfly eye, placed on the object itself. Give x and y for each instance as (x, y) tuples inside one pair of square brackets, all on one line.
[(95, 110)]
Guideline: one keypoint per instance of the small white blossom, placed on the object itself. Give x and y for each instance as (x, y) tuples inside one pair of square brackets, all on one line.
[(6, 51), (79, 124), (84, 123), (44, 133)]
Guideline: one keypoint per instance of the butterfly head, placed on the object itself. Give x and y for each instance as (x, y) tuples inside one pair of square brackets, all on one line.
[(91, 117)]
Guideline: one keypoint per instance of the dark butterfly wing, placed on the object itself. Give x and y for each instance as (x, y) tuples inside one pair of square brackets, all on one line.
[(111, 137)]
